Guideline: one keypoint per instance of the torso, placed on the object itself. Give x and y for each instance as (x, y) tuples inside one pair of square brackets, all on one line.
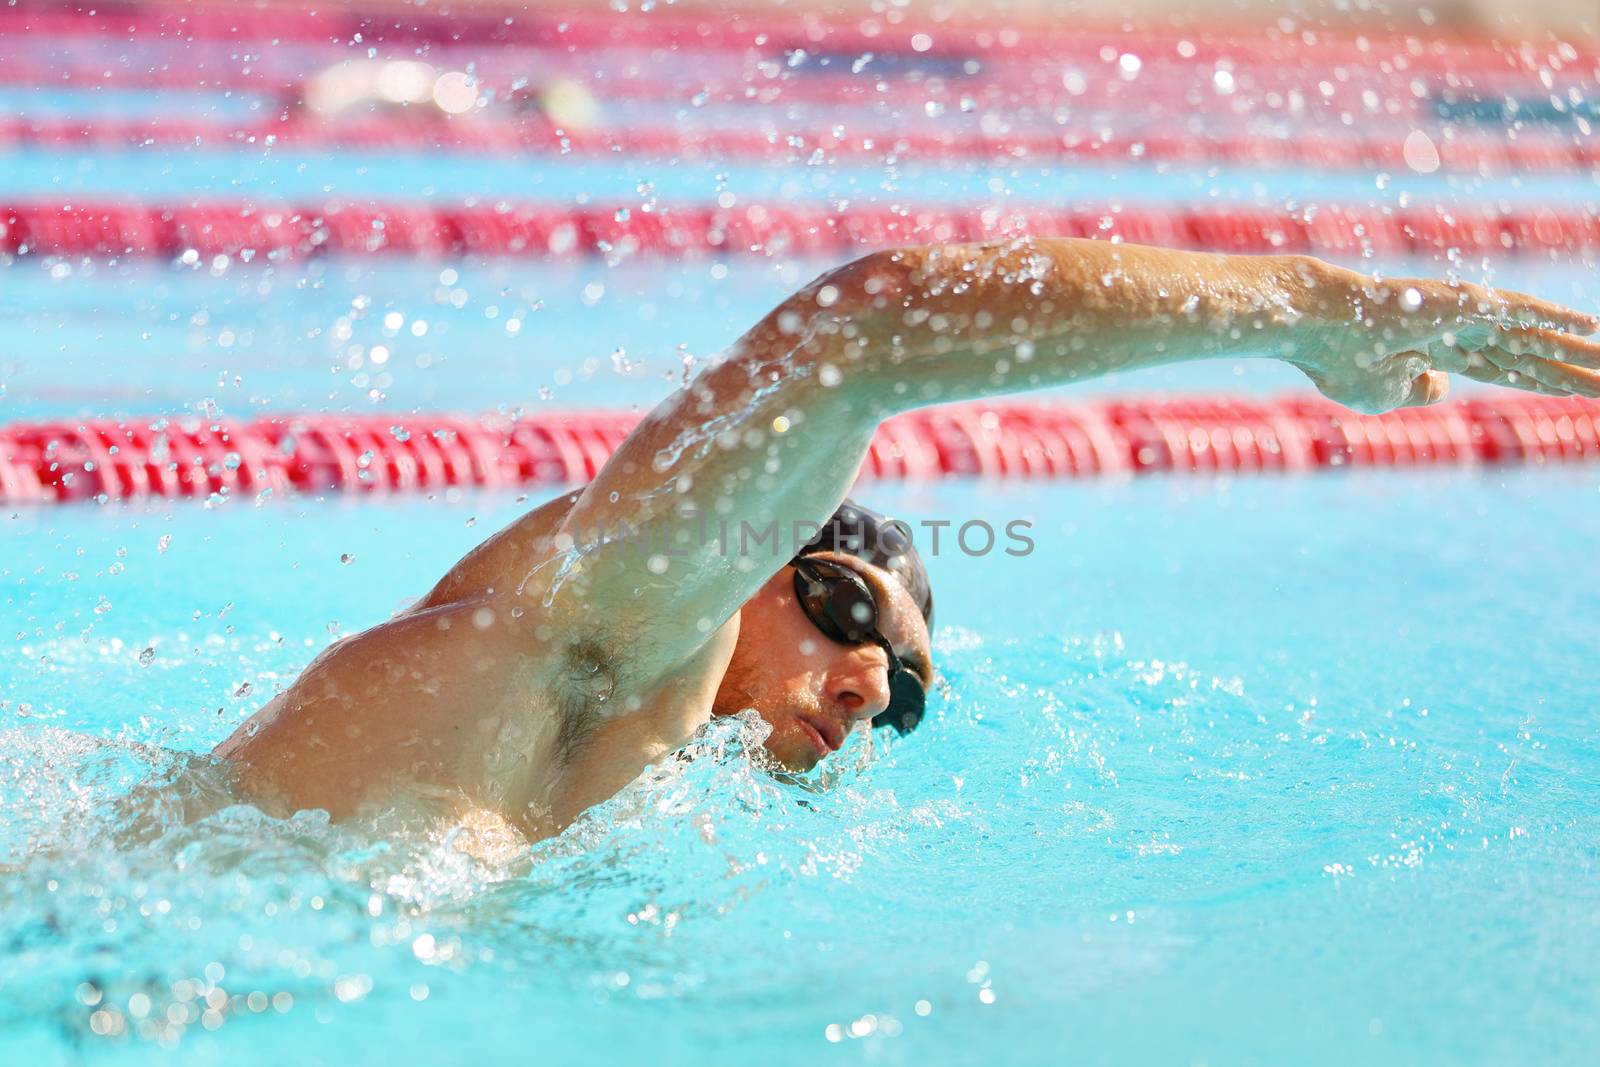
[(460, 704)]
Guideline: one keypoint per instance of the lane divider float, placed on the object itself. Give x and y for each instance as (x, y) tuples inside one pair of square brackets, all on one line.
[(200, 232), (698, 83), (189, 457), (776, 32)]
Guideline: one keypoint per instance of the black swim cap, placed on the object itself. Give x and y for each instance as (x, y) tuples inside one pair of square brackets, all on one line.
[(884, 542)]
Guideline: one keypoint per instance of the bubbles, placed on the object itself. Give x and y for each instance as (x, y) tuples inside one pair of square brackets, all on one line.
[(1420, 153)]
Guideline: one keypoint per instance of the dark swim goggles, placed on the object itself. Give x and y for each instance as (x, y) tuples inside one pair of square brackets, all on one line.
[(838, 602)]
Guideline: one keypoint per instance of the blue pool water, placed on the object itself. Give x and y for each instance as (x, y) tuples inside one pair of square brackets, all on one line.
[(136, 339), (286, 173), (1272, 771), (1232, 771)]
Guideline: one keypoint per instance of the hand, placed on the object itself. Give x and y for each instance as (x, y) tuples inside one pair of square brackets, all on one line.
[(1375, 345)]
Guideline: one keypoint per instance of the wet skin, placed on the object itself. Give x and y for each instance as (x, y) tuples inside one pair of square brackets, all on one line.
[(442, 663), (548, 668)]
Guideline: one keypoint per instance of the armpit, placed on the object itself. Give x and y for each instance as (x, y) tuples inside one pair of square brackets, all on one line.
[(585, 688)]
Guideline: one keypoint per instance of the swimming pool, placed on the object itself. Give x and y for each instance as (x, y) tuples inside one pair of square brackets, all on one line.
[(138, 338), (1274, 770), (1233, 770)]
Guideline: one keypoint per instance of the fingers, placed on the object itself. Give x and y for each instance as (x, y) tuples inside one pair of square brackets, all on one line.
[(1456, 358), (1537, 360), (1512, 380), (1549, 344), (1551, 373), (1479, 369), (1481, 304), (1429, 387), (1531, 311)]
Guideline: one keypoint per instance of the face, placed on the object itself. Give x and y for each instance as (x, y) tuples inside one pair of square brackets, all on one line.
[(811, 690)]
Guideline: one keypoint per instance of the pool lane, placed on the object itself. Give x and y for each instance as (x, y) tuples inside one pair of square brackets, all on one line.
[(268, 173), (148, 339)]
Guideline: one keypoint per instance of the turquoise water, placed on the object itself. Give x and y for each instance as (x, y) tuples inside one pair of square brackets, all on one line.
[(269, 174), (138, 339), (1274, 771)]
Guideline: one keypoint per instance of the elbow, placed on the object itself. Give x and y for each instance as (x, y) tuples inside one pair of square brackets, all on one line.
[(829, 343), (878, 280), (841, 315)]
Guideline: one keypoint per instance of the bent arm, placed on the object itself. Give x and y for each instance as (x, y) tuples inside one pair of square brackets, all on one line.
[(771, 438)]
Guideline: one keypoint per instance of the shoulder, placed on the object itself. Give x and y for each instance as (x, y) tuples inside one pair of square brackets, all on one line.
[(503, 558)]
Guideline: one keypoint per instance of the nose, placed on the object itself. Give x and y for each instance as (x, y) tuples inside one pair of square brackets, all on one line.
[(859, 684)]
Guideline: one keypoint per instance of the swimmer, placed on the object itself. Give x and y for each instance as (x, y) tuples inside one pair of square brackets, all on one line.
[(556, 661)]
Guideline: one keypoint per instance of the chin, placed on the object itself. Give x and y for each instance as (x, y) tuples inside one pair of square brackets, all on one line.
[(792, 750)]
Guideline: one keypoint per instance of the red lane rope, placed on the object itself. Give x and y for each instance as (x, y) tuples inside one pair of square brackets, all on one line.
[(1088, 78), (1485, 153), (774, 32), (106, 459), (530, 231), (537, 231)]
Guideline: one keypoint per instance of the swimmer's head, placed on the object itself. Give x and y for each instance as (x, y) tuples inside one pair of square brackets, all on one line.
[(881, 541), (813, 689)]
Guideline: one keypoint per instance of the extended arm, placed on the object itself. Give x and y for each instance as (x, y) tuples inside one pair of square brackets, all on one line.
[(957, 321), (774, 433)]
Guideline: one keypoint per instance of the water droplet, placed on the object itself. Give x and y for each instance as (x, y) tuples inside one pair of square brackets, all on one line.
[(1420, 153)]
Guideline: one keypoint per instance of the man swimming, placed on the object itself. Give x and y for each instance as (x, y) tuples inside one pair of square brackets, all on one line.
[(550, 666)]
